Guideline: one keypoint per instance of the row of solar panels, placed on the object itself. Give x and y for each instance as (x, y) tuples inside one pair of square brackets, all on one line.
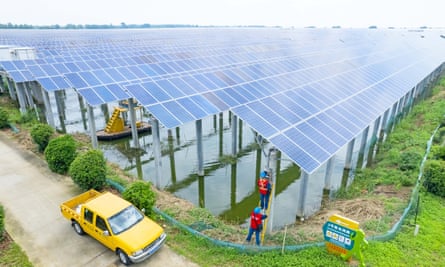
[(308, 98)]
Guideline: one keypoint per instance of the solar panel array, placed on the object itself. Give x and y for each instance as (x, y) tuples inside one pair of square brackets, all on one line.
[(308, 91)]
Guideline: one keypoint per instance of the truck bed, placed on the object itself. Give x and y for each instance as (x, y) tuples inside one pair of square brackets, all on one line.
[(71, 208)]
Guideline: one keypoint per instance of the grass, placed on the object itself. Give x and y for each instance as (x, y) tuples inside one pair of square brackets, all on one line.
[(13, 256)]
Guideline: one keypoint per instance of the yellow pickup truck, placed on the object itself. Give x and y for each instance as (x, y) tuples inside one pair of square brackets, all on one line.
[(116, 223)]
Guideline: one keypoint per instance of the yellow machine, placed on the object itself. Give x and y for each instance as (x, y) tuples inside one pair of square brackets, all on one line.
[(116, 122)]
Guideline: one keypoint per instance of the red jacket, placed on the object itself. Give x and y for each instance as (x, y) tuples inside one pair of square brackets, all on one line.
[(256, 220), (264, 186)]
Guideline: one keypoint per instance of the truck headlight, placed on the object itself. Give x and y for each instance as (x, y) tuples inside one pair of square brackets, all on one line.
[(137, 253)]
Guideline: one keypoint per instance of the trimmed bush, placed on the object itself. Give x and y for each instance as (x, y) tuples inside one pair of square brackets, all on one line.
[(434, 180), (3, 118), (60, 152), (140, 194), (41, 134), (88, 170), (2, 222)]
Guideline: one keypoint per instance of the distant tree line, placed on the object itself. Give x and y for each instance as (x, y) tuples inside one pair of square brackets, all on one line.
[(123, 25)]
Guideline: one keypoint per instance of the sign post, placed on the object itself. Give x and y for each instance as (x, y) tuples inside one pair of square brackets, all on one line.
[(344, 237)]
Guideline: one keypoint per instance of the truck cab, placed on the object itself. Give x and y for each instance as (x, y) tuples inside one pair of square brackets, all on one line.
[(116, 223)]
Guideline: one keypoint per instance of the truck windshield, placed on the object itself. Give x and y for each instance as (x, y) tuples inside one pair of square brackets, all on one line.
[(124, 220)]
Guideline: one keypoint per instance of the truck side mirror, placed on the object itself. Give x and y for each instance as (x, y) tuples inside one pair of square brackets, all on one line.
[(106, 233)]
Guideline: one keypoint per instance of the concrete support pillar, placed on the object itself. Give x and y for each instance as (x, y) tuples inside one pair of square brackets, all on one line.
[(157, 151), (20, 90), (304, 184), (199, 147), (328, 175), (48, 111), (134, 129), (92, 126), (234, 134), (272, 169)]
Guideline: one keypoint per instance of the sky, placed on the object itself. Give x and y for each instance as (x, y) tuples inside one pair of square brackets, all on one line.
[(285, 13)]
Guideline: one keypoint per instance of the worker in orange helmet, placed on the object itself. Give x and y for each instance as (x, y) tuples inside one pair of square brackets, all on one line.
[(256, 225), (264, 188)]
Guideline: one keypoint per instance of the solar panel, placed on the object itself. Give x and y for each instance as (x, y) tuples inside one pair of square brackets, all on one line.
[(309, 92)]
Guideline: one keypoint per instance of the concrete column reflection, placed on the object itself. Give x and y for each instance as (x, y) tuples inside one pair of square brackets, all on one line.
[(201, 194), (233, 185), (171, 153)]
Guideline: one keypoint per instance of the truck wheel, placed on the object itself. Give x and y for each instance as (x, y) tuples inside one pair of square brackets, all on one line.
[(77, 228), (123, 257)]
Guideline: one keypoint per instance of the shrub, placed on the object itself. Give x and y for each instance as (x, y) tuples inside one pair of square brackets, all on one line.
[(433, 174), (3, 118), (438, 152), (409, 161), (60, 152), (140, 194), (88, 170), (41, 134)]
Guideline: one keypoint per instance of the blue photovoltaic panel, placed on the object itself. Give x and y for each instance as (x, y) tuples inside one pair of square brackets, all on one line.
[(60, 82), (216, 101), (180, 112), (301, 157), (49, 70), (17, 76), (235, 95), (115, 75), (308, 145), (305, 91), (333, 135), (72, 67), (193, 108), (76, 80), (323, 140), (105, 94), (103, 77), (138, 72), (37, 71), (209, 85), (118, 91), (157, 92), (170, 88), (258, 123), (264, 111), (61, 68), (192, 82), (227, 99), (127, 73), (148, 70), (183, 86), (141, 95), (89, 78), (292, 105), (337, 126), (47, 84), (91, 97), (164, 116), (290, 116), (206, 105)]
